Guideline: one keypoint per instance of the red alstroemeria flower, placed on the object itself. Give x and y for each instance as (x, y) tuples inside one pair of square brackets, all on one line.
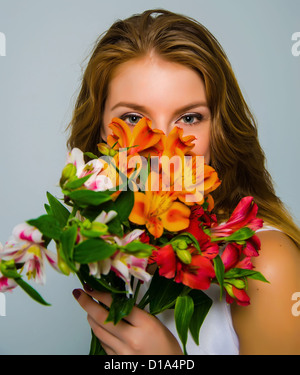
[(231, 257), (252, 246), (235, 289), (197, 274), (244, 215), (236, 294), (199, 218)]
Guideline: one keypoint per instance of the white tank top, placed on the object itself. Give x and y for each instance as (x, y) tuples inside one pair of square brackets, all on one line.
[(217, 335)]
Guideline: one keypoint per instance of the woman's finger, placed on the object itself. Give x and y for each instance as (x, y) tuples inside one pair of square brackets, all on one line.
[(137, 317), (109, 342), (105, 298), (97, 312)]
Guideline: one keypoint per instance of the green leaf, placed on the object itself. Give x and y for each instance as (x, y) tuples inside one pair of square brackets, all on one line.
[(67, 242), (103, 284), (189, 238), (58, 210), (115, 227), (93, 250), (8, 269), (90, 155), (202, 305), (121, 306), (163, 293), (234, 273), (184, 309), (84, 198), (124, 204), (95, 346), (76, 183), (139, 249), (241, 235), (31, 291), (48, 209), (48, 225), (219, 270)]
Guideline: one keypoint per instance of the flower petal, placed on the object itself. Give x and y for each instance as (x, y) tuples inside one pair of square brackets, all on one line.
[(175, 142), (166, 260), (176, 217), (231, 255), (144, 136), (198, 274), (121, 134), (140, 209)]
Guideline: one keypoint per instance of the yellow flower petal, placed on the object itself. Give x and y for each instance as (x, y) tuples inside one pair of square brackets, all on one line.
[(140, 209), (176, 218)]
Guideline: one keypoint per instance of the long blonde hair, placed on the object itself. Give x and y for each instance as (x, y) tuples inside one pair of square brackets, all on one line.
[(235, 150)]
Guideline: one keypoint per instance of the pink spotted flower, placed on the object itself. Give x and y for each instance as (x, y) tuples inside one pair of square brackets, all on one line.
[(26, 248)]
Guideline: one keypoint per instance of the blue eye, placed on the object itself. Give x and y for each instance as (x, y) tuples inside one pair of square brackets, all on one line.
[(131, 119), (191, 118)]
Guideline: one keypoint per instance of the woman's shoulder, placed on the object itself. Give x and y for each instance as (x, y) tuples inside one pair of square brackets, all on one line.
[(267, 325), (278, 251)]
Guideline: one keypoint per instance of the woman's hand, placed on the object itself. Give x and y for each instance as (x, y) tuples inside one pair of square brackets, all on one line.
[(140, 334)]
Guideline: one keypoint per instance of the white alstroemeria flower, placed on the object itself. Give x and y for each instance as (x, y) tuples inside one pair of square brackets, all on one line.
[(105, 217), (97, 181), (126, 265), (103, 266), (123, 264), (26, 247), (135, 234), (5, 283), (83, 169)]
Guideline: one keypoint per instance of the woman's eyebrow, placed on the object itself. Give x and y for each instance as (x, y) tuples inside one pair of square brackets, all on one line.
[(142, 108), (191, 106), (129, 105)]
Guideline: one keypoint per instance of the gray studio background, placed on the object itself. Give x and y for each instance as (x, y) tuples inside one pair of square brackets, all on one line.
[(46, 46)]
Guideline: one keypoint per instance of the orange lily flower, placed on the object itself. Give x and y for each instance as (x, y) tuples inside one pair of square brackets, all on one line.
[(158, 210), (176, 144), (211, 179), (142, 140)]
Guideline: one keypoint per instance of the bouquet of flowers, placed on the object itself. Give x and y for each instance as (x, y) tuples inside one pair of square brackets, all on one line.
[(145, 203)]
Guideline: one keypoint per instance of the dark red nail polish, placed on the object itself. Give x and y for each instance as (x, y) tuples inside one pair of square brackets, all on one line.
[(76, 293), (88, 288)]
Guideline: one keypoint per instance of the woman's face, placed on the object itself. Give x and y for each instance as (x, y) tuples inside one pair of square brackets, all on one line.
[(167, 93)]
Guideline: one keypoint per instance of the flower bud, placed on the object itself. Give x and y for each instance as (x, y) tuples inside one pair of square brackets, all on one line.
[(238, 283), (103, 148), (112, 152), (62, 265), (184, 255), (68, 172), (87, 224), (228, 288), (182, 245), (94, 229)]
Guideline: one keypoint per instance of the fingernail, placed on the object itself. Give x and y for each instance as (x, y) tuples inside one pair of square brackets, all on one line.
[(88, 288), (76, 293)]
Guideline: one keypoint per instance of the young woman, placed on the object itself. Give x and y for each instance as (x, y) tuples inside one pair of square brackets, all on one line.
[(170, 69)]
